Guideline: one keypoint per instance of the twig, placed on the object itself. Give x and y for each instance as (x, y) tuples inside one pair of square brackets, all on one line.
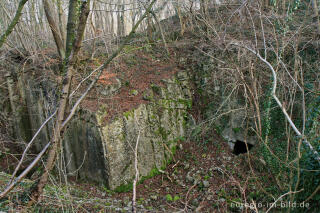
[(187, 201), (29, 145), (136, 179), (25, 172), (274, 203)]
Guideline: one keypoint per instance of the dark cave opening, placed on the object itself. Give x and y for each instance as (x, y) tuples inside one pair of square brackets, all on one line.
[(240, 147)]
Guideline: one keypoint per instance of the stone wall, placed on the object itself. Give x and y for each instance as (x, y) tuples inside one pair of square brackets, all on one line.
[(100, 151), (221, 99), (160, 123)]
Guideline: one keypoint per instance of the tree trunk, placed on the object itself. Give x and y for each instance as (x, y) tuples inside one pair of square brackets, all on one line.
[(76, 39), (316, 14), (149, 29), (161, 31), (181, 18), (204, 8), (71, 26), (54, 28), (284, 9), (62, 21), (84, 13)]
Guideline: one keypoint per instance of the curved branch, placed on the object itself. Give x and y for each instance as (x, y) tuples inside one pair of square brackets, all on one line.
[(284, 111)]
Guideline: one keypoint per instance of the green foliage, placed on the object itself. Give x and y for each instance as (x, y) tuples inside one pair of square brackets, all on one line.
[(169, 197), (274, 146), (4, 205), (274, 150), (236, 130), (128, 114), (310, 169), (175, 198), (156, 89), (172, 199), (196, 132), (124, 188), (155, 171), (133, 92), (128, 187)]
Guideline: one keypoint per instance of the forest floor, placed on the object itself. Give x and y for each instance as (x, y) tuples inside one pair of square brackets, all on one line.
[(210, 179)]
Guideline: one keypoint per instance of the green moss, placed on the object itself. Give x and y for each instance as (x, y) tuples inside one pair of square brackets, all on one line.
[(173, 150), (186, 102), (148, 95), (236, 130), (128, 187), (175, 198), (129, 48), (133, 92), (155, 171), (124, 188), (156, 89), (128, 114), (169, 197), (163, 133)]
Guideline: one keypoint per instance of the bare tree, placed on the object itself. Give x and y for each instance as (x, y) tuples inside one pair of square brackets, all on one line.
[(13, 23), (62, 116)]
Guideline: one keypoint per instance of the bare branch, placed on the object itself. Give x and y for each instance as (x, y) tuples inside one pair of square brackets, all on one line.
[(275, 202), (273, 93), (25, 172), (29, 145)]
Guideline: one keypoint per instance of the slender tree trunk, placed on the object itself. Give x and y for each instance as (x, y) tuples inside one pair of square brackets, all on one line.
[(62, 21), (13, 23), (149, 29), (284, 9), (120, 19), (71, 26), (54, 28), (76, 38), (84, 13), (316, 14), (265, 4), (161, 31), (136, 179), (204, 8), (181, 18)]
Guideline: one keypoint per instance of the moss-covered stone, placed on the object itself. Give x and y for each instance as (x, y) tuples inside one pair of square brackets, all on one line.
[(159, 122)]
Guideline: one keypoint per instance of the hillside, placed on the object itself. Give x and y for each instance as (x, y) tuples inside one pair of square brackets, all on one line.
[(214, 109)]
